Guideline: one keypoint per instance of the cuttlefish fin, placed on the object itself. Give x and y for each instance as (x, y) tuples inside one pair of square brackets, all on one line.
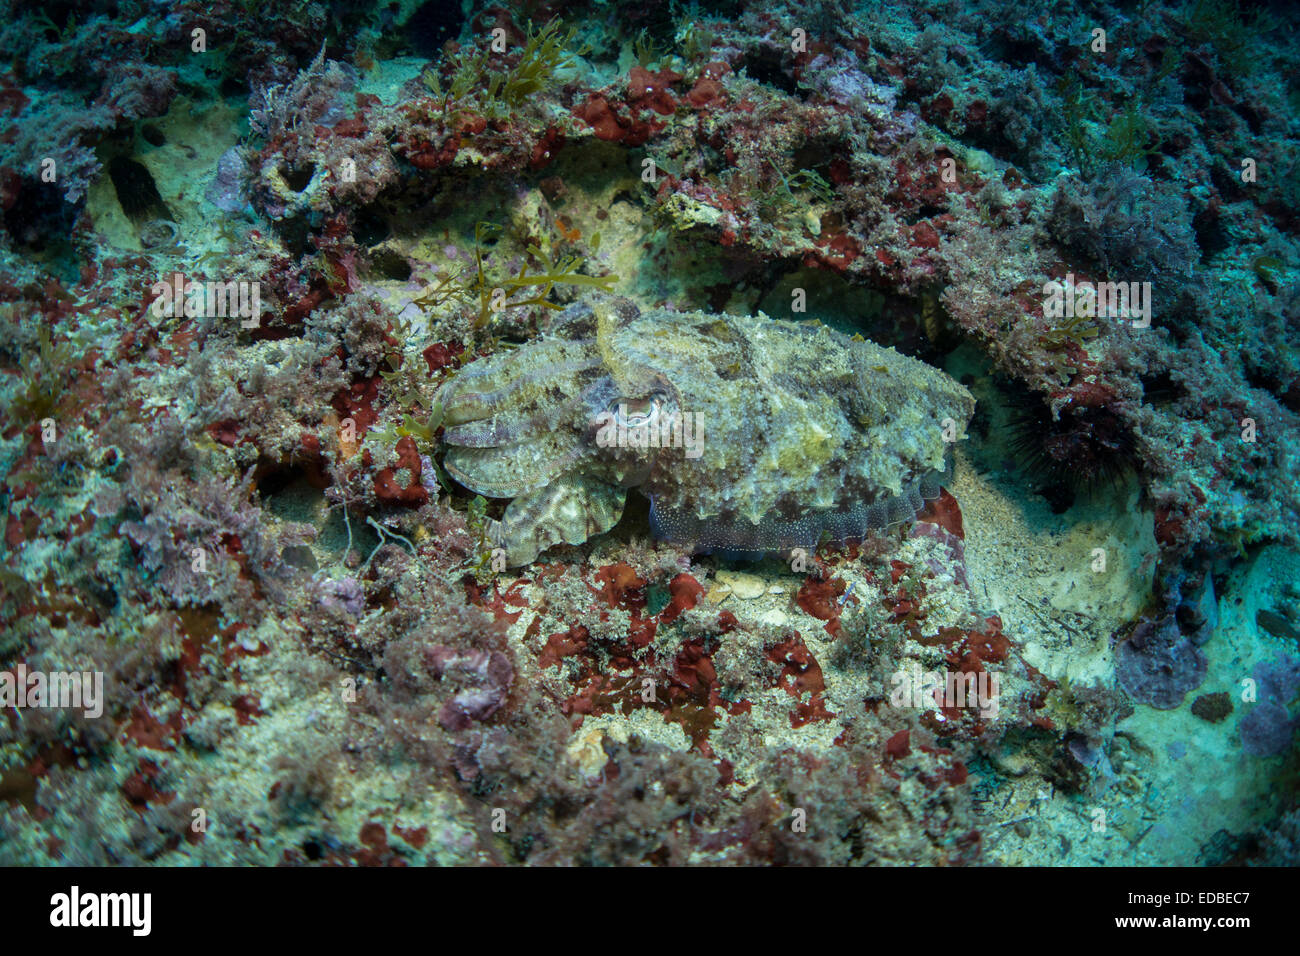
[(569, 510)]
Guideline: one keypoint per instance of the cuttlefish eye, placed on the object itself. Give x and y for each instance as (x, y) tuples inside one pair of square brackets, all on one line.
[(638, 412)]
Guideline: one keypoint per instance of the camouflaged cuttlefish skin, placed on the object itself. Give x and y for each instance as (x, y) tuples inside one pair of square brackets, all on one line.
[(746, 433)]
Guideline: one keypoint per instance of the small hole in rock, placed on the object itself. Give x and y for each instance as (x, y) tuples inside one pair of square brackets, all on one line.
[(299, 177)]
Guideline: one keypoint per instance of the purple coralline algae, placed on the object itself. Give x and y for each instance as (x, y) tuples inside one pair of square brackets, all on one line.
[(1267, 728), (1157, 665)]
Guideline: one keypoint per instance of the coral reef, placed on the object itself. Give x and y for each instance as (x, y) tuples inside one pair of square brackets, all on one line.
[(310, 319)]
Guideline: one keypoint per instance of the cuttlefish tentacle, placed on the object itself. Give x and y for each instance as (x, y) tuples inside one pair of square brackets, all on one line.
[(567, 511), (507, 428), (474, 394), (509, 471), (516, 452)]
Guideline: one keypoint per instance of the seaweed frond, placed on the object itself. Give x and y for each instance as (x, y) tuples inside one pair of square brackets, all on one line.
[(645, 50), (496, 294), (694, 39), (1078, 110), (1127, 137), (785, 198), (490, 293), (1071, 335), (478, 522), (1076, 329), (403, 377), (43, 381), (1231, 34), (1267, 267), (470, 74), (811, 181), (446, 290), (547, 50), (42, 21)]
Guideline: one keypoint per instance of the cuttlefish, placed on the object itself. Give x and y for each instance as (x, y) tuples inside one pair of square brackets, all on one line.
[(747, 434)]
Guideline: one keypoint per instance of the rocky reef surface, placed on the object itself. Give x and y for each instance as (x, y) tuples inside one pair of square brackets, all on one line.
[(253, 609)]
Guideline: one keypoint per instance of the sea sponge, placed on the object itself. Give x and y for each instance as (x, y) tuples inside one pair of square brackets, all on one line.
[(1157, 665), (1267, 728)]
